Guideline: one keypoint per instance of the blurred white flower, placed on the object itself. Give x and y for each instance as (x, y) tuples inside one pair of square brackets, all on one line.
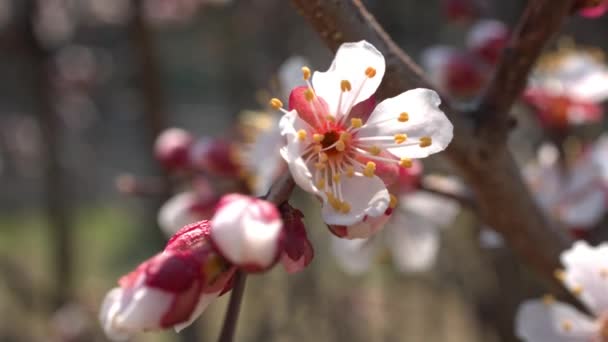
[(586, 276)]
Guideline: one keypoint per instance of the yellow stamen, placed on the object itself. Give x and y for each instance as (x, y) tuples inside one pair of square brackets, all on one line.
[(344, 207), (333, 201), (350, 171), (276, 103), (330, 118), (403, 117), (302, 135), (604, 273), (566, 326), (577, 290), (323, 157), (400, 138), (336, 178), (374, 150), (320, 166), (356, 122), (305, 73), (340, 146), (406, 162), (345, 136), (370, 168), (309, 95), (425, 141), (321, 184), (370, 72), (548, 299), (317, 148), (559, 275), (318, 137), (393, 203), (345, 86)]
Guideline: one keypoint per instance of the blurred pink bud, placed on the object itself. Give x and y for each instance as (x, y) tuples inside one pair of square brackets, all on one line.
[(168, 290), (215, 156), (247, 231), (364, 229), (463, 76), (172, 149), (487, 39), (560, 111), (185, 208), (297, 250), (460, 10), (591, 8), (409, 179)]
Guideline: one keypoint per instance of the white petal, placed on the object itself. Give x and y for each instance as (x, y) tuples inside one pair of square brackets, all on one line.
[(586, 269), (425, 120), (203, 302), (290, 124), (414, 242), (438, 210), (111, 306), (246, 230), (484, 31), (350, 63), (175, 213), (555, 322), (366, 228), (290, 74), (354, 256), (365, 195), (145, 310)]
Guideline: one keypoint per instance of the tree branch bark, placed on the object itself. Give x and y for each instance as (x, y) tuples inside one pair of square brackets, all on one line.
[(504, 201)]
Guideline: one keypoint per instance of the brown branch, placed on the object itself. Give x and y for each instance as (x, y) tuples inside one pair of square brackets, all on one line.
[(234, 308), (504, 201), (540, 21)]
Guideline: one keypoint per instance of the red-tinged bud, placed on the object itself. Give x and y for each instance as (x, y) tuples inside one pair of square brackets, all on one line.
[(461, 11), (364, 229), (297, 250), (487, 39), (579, 233), (215, 156), (172, 149), (590, 8), (310, 107), (247, 231), (561, 111), (408, 180), (168, 290), (463, 77)]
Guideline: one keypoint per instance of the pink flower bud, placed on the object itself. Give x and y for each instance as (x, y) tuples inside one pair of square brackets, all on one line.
[(560, 111), (460, 10), (487, 39), (463, 77), (247, 231), (408, 179), (172, 149), (591, 8), (214, 156), (364, 229), (297, 250), (170, 289), (307, 110)]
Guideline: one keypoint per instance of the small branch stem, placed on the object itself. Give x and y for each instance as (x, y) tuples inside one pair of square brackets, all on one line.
[(234, 307)]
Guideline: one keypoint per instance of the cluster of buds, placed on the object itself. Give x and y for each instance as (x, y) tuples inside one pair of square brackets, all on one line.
[(171, 289), (462, 73)]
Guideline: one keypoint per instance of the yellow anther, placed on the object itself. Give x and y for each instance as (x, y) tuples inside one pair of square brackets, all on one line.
[(345, 86), (276, 103), (305, 73), (370, 72), (577, 290), (559, 275), (323, 157), (566, 326), (302, 135), (400, 138), (336, 178), (318, 137), (330, 118), (403, 117), (340, 146), (350, 171), (425, 141), (356, 122), (344, 208), (405, 162), (309, 95), (375, 150), (320, 166), (393, 203), (345, 136), (317, 148), (321, 184), (548, 299), (333, 201), (370, 168), (604, 273)]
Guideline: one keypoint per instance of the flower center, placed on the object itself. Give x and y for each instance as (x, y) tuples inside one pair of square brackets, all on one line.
[(329, 143)]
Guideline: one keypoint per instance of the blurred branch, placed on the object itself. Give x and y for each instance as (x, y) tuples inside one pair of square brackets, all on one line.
[(55, 179), (234, 307), (504, 201), (540, 21)]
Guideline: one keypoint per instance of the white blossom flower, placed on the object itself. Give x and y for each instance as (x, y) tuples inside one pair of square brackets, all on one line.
[(334, 155), (411, 235), (586, 276)]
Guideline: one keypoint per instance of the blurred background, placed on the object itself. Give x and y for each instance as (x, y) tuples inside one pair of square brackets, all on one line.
[(89, 84)]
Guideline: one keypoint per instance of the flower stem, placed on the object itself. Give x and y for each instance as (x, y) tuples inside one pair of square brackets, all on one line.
[(234, 306)]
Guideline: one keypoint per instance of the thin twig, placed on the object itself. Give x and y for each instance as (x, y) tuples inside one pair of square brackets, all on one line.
[(234, 307)]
